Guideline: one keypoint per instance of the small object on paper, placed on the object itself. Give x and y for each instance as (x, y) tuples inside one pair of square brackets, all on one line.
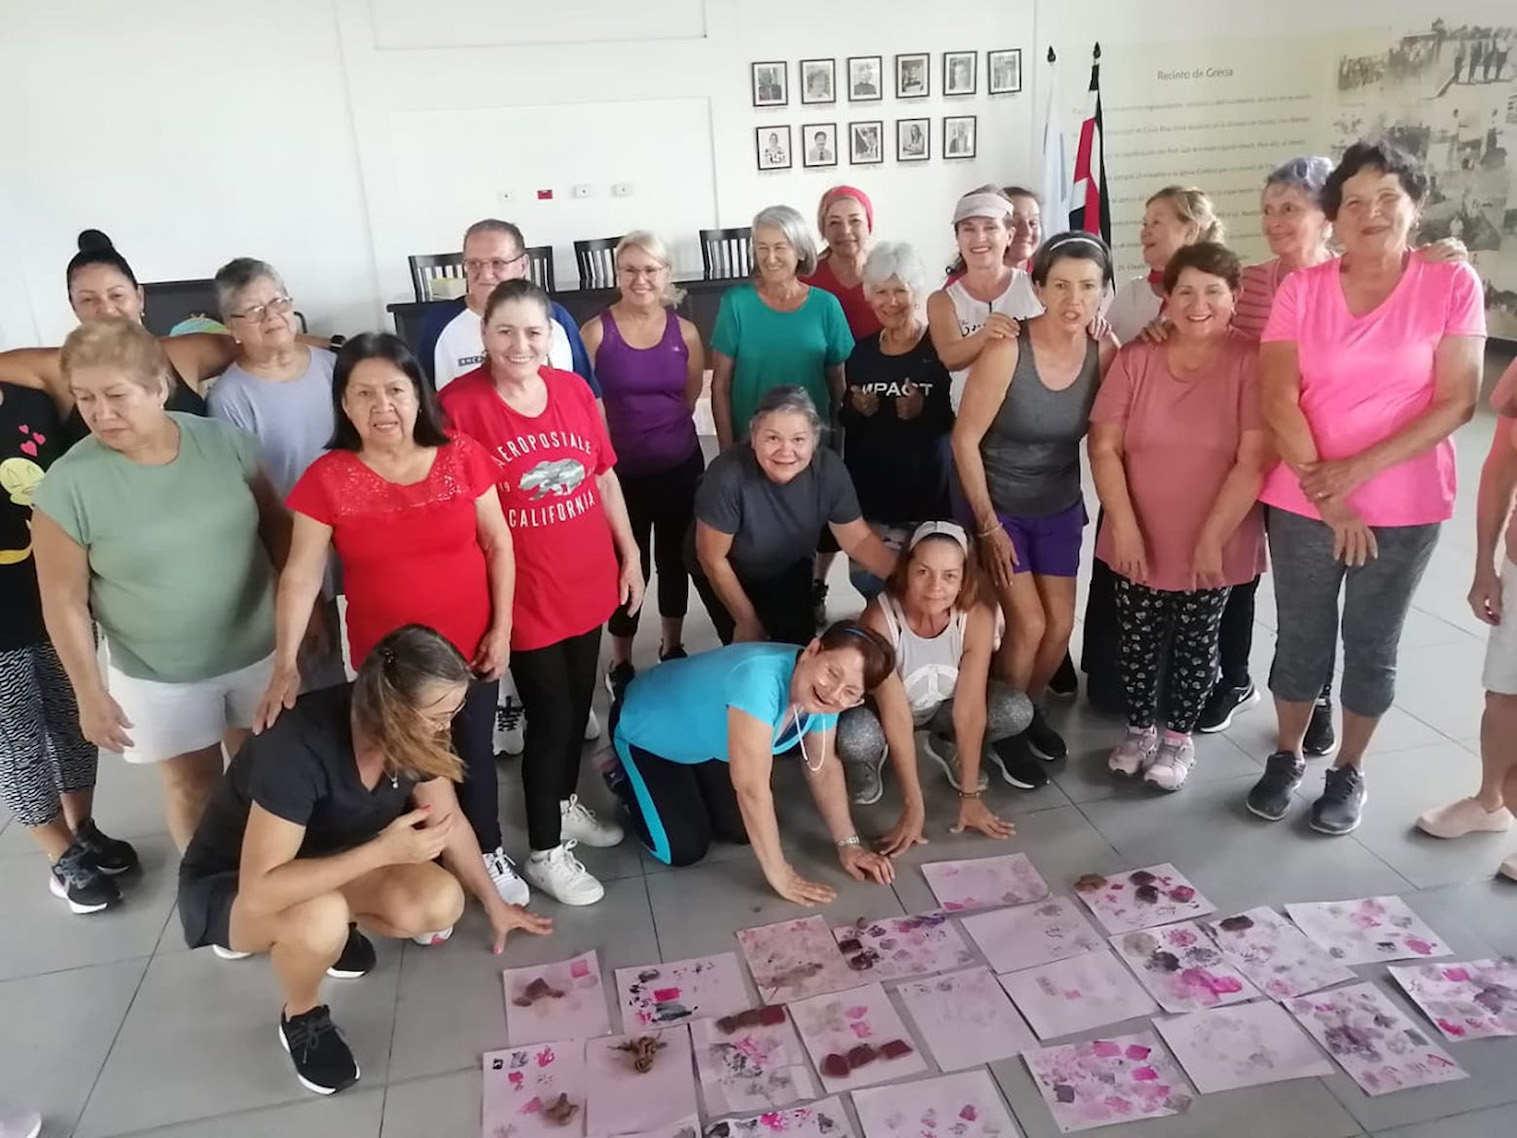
[(793, 959), (1245, 1045), (1077, 994), (965, 1019), (985, 882), (535, 1091), (1101, 1081), (1367, 930), (624, 1098), (894, 948), (564, 1000), (1275, 954), (751, 1062), (1476, 1000), (1141, 898), (847, 1034), (823, 1119), (1030, 935), (1381, 1048), (965, 1105), (657, 995), (1182, 969)]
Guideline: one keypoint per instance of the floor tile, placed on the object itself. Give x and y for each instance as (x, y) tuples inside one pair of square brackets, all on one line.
[(1498, 1122), (438, 1107), (1085, 777), (1485, 905), (355, 1113)]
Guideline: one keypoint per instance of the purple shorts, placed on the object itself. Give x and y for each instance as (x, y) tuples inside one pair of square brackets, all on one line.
[(1048, 546)]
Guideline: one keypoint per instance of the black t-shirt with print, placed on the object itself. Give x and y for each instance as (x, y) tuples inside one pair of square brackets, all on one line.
[(30, 440), (302, 770)]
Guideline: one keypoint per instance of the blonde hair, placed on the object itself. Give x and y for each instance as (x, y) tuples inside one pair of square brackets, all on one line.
[(117, 343), (399, 671), (1193, 207), (650, 243)]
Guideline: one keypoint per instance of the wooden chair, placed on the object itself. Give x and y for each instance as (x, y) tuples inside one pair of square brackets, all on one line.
[(727, 253), (540, 266), (596, 259), (428, 267)]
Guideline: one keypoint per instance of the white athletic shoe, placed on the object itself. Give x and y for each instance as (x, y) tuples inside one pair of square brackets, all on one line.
[(20, 1123), (228, 954), (592, 727), (558, 873), (510, 728), (512, 889), (577, 822), (427, 940)]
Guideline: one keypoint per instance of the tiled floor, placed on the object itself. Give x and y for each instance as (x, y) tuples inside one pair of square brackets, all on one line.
[(112, 1028)]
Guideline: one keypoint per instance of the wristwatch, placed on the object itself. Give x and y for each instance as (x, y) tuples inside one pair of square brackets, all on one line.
[(852, 840)]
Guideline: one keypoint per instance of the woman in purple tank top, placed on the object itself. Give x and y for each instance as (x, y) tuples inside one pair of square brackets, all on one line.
[(651, 366)]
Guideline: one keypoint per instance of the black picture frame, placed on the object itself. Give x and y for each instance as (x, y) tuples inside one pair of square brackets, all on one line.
[(764, 155), (769, 88), (952, 153), (921, 148), (808, 130), (866, 157), (809, 67), (906, 86), (952, 81), (858, 72), (999, 83)]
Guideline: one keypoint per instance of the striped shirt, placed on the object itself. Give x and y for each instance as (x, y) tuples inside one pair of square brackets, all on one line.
[(1256, 297)]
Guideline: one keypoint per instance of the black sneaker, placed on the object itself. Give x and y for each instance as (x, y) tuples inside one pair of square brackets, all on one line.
[(1341, 806), (1270, 797), (323, 1061), (1018, 765), (1043, 740), (357, 957), (112, 856), (618, 676), (1065, 683), (76, 878), (676, 653), (1320, 739), (1225, 701), (819, 602)]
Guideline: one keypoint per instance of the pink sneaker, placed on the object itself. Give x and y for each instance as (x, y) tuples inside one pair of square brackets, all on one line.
[(1135, 752), (1466, 816)]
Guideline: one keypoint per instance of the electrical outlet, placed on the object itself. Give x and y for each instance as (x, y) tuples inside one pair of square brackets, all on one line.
[(503, 195), (582, 191), (621, 189)]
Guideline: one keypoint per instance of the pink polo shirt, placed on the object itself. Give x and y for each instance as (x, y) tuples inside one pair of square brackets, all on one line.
[(1363, 378)]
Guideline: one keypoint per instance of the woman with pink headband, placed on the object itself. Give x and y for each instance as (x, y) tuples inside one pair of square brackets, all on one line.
[(845, 219)]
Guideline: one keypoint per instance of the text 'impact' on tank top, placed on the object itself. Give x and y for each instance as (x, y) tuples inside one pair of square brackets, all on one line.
[(928, 665), (1032, 449)]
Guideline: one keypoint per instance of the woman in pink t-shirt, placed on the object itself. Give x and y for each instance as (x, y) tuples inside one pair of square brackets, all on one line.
[(1179, 450), (1369, 364)]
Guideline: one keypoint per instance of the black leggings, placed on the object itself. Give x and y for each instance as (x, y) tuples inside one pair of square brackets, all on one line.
[(1168, 637), (660, 507), (676, 809), (473, 739), (1100, 655), (1237, 638), (555, 684), (783, 602)]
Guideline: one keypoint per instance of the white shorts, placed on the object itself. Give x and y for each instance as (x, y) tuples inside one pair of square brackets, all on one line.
[(1500, 674), (173, 719)]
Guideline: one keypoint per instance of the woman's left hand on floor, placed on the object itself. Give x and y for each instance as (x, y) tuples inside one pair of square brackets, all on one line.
[(866, 865), (975, 815), (504, 918), (907, 832)]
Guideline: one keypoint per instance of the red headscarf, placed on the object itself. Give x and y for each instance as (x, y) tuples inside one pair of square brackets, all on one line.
[(833, 195)]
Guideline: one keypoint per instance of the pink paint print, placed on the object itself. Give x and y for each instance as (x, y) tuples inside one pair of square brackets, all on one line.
[(1141, 898), (1246, 1045), (1277, 956), (895, 948), (527, 1089), (856, 1039), (658, 995), (1373, 1040), (1105, 1081), (965, 1105), (1031, 935), (752, 1061), (1371, 929), (1077, 994), (1476, 1000), (824, 1119), (625, 1099), (1182, 968), (965, 1019), (563, 1000), (798, 958), (985, 882)]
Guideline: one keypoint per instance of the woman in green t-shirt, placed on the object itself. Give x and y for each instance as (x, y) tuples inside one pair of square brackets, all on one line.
[(162, 528)]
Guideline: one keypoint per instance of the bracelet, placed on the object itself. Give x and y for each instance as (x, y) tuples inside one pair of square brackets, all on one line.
[(966, 794), (849, 841), (990, 529)]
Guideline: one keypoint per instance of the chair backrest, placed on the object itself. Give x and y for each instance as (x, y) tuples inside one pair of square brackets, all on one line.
[(428, 267), (596, 259), (540, 266), (727, 253), (170, 302)]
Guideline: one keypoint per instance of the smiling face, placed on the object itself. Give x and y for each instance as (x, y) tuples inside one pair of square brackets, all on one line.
[(261, 317), (491, 256), (101, 292), (516, 336), (118, 408), (827, 682), (380, 401), (1163, 234), (1201, 305), (983, 241), (1071, 293), (934, 577), (892, 304), (1293, 223), (846, 227), (1376, 216), (1026, 229), (775, 257), (783, 443), (641, 277)]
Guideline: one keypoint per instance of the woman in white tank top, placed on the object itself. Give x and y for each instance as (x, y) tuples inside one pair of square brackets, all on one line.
[(944, 635)]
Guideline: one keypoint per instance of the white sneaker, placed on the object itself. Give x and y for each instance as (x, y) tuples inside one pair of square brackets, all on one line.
[(577, 822), (20, 1123), (1171, 765), (558, 873), (592, 727), (512, 889), (510, 728), (427, 940), (1133, 755), (228, 954)]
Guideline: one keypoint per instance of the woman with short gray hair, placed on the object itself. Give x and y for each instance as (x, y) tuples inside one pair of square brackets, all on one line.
[(279, 391), (759, 515)]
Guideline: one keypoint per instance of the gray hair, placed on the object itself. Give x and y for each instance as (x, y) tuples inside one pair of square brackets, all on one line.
[(238, 274), (795, 230), (494, 225), (649, 243), (1307, 173), (787, 399), (899, 260)]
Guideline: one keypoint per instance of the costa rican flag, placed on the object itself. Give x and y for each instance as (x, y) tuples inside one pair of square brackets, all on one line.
[(1088, 207)]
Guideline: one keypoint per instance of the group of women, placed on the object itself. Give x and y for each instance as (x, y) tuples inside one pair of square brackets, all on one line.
[(933, 435)]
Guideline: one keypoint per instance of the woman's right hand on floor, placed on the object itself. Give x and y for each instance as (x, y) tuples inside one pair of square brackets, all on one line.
[(793, 887), (283, 689), (104, 723), (975, 815)]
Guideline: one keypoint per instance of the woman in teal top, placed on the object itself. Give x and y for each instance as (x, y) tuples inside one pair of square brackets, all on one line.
[(697, 739), (777, 330)]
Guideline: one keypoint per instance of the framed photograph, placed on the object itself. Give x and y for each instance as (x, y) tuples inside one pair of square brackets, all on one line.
[(773, 146), (911, 75), (771, 84), (819, 81), (960, 72), (958, 136), (864, 78), (819, 144), (913, 140), (865, 144), (1005, 68)]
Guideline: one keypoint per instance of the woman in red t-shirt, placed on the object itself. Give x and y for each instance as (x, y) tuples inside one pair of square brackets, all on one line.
[(420, 538), (569, 527), (845, 220)]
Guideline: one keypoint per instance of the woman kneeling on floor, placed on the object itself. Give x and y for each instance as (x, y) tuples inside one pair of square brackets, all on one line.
[(943, 632), (335, 815), (696, 739)]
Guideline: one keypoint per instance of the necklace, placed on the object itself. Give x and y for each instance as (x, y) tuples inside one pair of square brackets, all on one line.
[(801, 739)]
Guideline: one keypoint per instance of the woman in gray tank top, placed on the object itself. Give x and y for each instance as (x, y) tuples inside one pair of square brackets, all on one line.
[(1016, 447)]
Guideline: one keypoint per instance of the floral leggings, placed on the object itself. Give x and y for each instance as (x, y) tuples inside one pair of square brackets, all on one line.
[(1173, 636)]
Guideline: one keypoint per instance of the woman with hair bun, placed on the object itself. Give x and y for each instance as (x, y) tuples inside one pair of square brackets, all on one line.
[(335, 818)]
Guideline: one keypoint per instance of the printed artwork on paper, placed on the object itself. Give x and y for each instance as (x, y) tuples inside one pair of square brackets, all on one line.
[(1245, 1045), (1476, 1000), (965, 1018), (1030, 935), (793, 959), (657, 995), (751, 1061), (856, 1039), (684, 1128), (1077, 994), (1277, 956), (894, 948), (965, 1105), (564, 1000), (1373, 1040), (1142, 898), (640, 1081), (1182, 968), (1105, 1081), (1371, 929), (530, 1092), (985, 882), (823, 1119)]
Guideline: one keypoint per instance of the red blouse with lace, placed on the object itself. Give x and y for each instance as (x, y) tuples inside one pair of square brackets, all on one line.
[(410, 554)]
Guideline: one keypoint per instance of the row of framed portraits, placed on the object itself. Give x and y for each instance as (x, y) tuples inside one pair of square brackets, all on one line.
[(865, 142), (866, 77)]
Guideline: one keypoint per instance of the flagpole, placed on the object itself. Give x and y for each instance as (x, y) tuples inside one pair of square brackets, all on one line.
[(1055, 163)]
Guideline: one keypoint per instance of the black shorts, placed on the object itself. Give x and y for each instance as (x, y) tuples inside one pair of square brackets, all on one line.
[(205, 907)]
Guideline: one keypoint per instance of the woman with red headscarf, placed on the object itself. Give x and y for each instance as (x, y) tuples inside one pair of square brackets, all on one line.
[(845, 219)]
